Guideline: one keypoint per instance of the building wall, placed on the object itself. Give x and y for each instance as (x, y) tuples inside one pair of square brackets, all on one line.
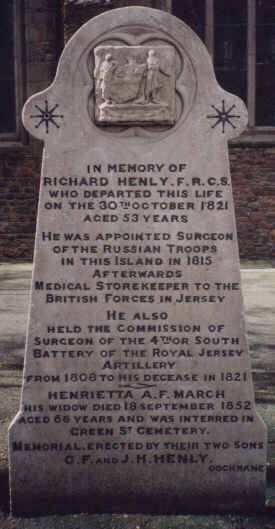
[(46, 22), (76, 12), (253, 181), (42, 40)]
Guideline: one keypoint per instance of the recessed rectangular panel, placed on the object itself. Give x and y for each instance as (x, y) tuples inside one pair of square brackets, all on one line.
[(134, 84)]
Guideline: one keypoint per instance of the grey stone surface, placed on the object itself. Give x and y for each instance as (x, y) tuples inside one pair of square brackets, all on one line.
[(260, 288), (86, 2), (137, 387), (259, 307), (14, 296), (135, 84)]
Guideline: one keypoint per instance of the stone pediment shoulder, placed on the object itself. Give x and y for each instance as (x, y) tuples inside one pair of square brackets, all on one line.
[(138, 79)]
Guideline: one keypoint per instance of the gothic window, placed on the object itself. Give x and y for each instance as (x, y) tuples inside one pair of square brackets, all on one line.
[(265, 63), (10, 71), (230, 45), (240, 36), (192, 13)]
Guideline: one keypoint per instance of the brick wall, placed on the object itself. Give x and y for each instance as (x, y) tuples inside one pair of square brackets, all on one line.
[(253, 167), (253, 181), (19, 182), (20, 164)]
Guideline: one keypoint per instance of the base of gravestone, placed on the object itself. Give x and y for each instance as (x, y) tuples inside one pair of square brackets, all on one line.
[(151, 502), (150, 507)]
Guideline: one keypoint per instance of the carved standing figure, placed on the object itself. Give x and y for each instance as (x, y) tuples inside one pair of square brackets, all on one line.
[(104, 75), (153, 81)]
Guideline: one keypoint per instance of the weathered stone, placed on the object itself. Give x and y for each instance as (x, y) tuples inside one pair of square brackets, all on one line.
[(85, 2), (137, 388), (135, 84)]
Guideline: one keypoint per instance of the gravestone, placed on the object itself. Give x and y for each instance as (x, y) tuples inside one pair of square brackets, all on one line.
[(137, 392)]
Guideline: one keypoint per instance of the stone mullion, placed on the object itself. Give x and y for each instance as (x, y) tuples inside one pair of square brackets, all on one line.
[(209, 27), (251, 53)]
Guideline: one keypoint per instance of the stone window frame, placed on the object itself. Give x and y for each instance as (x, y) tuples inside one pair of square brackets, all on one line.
[(17, 138), (254, 133)]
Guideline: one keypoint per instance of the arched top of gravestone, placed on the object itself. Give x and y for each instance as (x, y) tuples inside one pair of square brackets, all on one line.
[(133, 72)]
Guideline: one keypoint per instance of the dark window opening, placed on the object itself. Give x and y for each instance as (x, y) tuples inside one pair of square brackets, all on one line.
[(265, 63), (192, 13), (230, 45), (7, 70)]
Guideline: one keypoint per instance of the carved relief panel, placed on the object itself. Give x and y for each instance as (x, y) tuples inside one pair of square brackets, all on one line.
[(135, 84), (142, 82)]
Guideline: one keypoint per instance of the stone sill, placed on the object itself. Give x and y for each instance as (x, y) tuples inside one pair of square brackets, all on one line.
[(255, 138), (85, 2), (257, 263)]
